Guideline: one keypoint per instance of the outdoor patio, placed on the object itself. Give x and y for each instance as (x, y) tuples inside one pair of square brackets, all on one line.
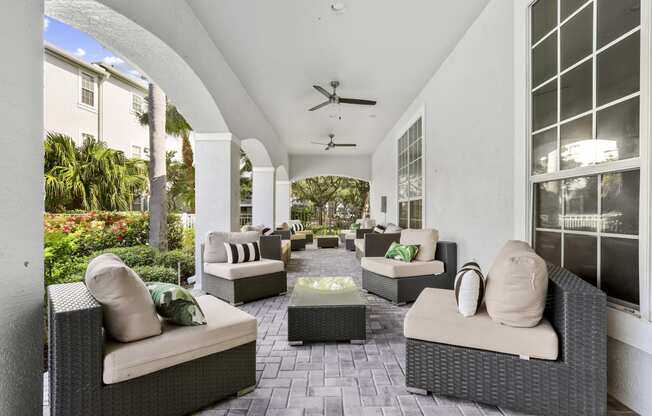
[(334, 379)]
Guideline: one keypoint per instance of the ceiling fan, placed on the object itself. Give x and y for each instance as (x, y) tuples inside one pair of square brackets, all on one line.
[(333, 98), (330, 145)]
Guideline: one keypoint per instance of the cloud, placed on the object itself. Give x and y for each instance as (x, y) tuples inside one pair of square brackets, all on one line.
[(80, 52), (46, 24), (112, 60)]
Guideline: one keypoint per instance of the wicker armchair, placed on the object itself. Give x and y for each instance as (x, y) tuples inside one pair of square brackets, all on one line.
[(574, 384), (76, 344)]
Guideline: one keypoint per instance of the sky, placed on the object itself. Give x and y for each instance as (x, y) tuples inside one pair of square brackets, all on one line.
[(83, 46)]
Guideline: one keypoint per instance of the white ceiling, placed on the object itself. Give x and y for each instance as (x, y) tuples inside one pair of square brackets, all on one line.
[(380, 50)]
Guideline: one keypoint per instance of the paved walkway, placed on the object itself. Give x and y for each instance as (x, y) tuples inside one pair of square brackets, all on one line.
[(336, 379)]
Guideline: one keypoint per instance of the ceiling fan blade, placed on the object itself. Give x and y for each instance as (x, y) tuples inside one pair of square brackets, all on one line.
[(327, 148), (344, 144), (319, 143), (323, 91), (356, 101), (317, 107)]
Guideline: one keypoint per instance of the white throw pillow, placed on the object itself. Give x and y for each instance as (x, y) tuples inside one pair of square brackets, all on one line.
[(517, 285), (469, 289), (129, 312)]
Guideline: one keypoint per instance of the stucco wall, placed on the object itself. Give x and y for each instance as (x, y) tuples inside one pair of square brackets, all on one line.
[(63, 113), (21, 208), (469, 122), (306, 166), (121, 126)]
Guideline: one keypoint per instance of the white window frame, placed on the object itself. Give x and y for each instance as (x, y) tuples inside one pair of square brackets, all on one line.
[(420, 113), (82, 133), (95, 91), (635, 330), (142, 104), (140, 151)]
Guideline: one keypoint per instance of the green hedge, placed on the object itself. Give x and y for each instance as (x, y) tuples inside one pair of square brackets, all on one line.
[(132, 256), (156, 274), (174, 259)]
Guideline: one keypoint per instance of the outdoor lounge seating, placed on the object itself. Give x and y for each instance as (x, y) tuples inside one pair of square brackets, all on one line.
[(241, 282), (180, 371), (307, 233), (556, 368), (402, 282)]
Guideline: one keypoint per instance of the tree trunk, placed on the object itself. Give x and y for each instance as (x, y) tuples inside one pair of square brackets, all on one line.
[(157, 171)]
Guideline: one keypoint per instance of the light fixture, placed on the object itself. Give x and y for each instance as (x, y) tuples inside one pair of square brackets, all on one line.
[(338, 7)]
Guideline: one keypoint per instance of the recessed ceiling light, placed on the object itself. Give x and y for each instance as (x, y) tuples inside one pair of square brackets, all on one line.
[(338, 7)]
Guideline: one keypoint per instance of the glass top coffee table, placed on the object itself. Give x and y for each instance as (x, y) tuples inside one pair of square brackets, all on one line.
[(326, 309)]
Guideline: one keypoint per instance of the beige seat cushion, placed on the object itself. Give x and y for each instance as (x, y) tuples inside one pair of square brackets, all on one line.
[(243, 270), (297, 237), (396, 269), (517, 285), (349, 236), (434, 318), (359, 244), (227, 327), (426, 239), (129, 312), (305, 232), (214, 251)]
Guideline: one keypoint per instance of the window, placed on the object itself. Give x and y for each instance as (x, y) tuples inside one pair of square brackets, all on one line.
[(136, 152), (410, 177), (146, 152), (137, 104), (87, 89), (584, 141)]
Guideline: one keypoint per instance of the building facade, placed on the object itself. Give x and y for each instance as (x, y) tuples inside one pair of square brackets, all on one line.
[(96, 100)]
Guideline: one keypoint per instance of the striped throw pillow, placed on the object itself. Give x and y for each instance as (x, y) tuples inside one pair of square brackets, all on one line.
[(242, 253), (469, 289), (267, 231), (297, 226), (380, 229)]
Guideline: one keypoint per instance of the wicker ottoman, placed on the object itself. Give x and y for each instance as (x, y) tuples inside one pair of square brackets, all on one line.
[(328, 241), (326, 309), (298, 242), (350, 244)]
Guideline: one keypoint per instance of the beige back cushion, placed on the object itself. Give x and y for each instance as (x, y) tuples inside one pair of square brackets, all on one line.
[(517, 284), (129, 312), (368, 223), (214, 251), (426, 239)]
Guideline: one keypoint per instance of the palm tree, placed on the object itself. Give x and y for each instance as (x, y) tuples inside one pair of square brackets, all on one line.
[(89, 177), (158, 203)]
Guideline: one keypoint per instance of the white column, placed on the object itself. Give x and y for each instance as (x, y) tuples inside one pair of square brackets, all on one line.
[(283, 201), (217, 187), (263, 195), (21, 207)]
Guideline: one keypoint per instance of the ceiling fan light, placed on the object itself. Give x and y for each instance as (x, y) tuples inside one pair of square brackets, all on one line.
[(338, 7)]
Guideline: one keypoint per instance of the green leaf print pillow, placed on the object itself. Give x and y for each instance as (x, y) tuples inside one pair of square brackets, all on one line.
[(402, 252), (176, 304)]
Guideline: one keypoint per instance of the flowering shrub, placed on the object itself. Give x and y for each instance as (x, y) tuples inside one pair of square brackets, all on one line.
[(71, 239)]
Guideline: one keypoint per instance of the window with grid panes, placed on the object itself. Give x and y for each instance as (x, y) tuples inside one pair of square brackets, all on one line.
[(410, 177), (584, 142), (87, 89)]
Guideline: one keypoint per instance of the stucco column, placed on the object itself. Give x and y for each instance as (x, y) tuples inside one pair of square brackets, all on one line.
[(217, 187), (21, 208), (263, 196), (283, 201)]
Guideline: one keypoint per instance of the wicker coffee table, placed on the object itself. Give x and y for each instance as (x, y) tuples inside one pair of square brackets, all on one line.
[(326, 309), (328, 241)]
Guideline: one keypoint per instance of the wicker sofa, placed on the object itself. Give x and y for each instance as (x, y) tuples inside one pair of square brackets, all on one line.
[(80, 355), (243, 282), (400, 290), (575, 383), (307, 233)]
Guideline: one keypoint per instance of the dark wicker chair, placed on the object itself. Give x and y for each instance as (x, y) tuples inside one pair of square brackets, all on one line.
[(407, 289), (239, 291), (76, 342), (360, 233), (574, 384)]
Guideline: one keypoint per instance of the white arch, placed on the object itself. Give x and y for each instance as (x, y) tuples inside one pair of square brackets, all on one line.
[(257, 153), (166, 40), (282, 173), (307, 166), (149, 54)]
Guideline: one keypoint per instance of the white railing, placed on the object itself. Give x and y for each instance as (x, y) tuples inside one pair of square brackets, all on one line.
[(188, 220)]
